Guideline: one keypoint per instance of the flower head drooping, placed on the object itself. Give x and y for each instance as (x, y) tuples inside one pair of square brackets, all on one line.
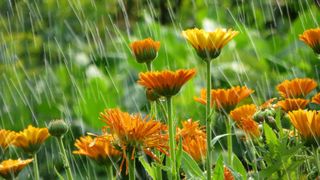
[(145, 50), (299, 87), (316, 98), (132, 133), (99, 149), (6, 138), (31, 139), (194, 140), (243, 116), (307, 123), (208, 44), (166, 83), (225, 99), (11, 168), (312, 38), (292, 104)]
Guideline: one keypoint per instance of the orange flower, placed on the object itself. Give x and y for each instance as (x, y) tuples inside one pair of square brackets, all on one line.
[(208, 44), (166, 83), (145, 50), (11, 168), (312, 38), (316, 99), (30, 139), (194, 139), (267, 104), (227, 174), (292, 104), (295, 88), (190, 128), (99, 149), (132, 132), (6, 138), (243, 116), (306, 122), (225, 99), (196, 147)]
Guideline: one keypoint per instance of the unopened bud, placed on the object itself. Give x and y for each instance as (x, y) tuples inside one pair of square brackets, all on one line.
[(58, 128)]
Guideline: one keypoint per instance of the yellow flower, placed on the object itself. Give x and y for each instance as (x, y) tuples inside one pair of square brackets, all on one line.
[(11, 168), (30, 139), (299, 87), (292, 104), (99, 149), (316, 98), (6, 138), (225, 99), (133, 133), (307, 123), (243, 116), (194, 139), (166, 83), (208, 44), (145, 50), (312, 38)]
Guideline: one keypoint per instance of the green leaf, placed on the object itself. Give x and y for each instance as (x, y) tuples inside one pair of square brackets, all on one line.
[(217, 138), (150, 170), (238, 166), (218, 173), (271, 138), (179, 154), (314, 106), (190, 166)]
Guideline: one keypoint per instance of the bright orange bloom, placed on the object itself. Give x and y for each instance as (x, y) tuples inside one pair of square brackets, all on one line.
[(312, 38), (243, 116), (99, 149), (209, 44), (145, 50), (132, 132), (306, 122), (11, 168), (6, 138), (30, 139), (316, 99), (299, 87), (227, 174), (225, 99), (166, 83), (194, 139), (196, 147), (267, 104), (190, 128), (292, 104)]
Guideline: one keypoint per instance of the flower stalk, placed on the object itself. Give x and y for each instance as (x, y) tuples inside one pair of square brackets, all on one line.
[(35, 167), (65, 158), (208, 120), (229, 138), (172, 142), (132, 166)]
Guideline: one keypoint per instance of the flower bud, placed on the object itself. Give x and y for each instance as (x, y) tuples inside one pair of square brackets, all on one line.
[(58, 128), (145, 50)]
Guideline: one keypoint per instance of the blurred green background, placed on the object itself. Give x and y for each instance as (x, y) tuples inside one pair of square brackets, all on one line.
[(71, 59)]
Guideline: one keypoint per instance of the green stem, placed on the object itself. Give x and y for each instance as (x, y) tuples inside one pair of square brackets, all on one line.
[(253, 154), (208, 121), (109, 171), (316, 152), (35, 167), (172, 142), (65, 159), (229, 139), (154, 112), (162, 108), (149, 66), (132, 166)]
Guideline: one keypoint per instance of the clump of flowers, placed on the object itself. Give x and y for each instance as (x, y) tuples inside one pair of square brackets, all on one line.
[(225, 99), (99, 149), (145, 50), (312, 38), (132, 133), (166, 83), (299, 87), (208, 45), (9, 169)]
